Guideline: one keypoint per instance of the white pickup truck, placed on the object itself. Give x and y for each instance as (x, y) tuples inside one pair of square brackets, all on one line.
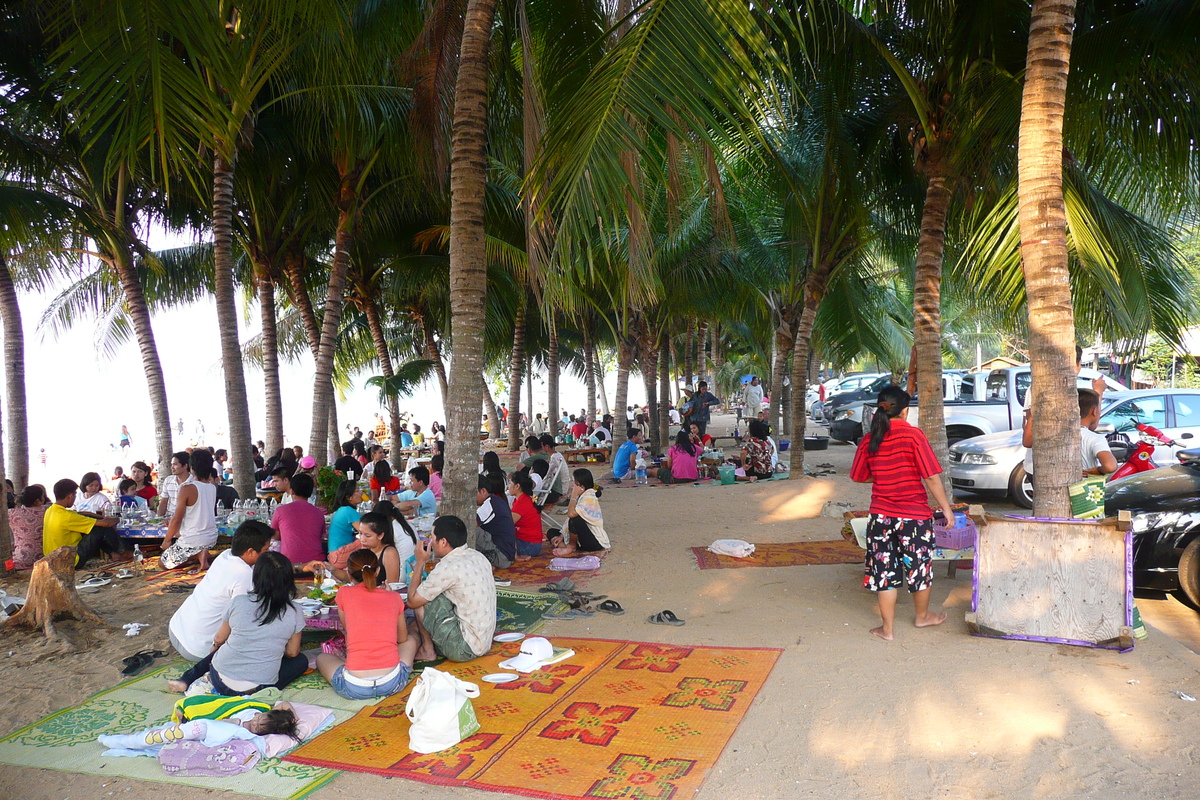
[(997, 404)]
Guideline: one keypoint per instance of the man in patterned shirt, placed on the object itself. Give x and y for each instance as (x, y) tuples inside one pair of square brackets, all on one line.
[(456, 605)]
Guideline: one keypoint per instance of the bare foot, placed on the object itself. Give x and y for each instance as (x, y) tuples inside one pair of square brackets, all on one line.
[(931, 618), (563, 552), (425, 654), (524, 558), (179, 687), (887, 637)]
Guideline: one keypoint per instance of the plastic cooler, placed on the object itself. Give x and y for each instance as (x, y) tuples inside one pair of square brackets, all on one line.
[(959, 537), (727, 473)]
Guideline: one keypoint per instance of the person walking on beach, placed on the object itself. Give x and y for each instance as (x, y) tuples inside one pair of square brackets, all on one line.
[(125, 441), (897, 459)]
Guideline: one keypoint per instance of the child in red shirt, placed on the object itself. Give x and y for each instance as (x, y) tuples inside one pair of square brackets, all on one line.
[(897, 459), (525, 515)]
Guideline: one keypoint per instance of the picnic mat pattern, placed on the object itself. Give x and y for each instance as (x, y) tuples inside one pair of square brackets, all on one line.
[(521, 609), (616, 720), (66, 740), (536, 572), (785, 554)]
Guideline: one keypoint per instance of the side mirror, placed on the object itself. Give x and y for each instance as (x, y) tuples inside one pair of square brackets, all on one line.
[(1106, 428)]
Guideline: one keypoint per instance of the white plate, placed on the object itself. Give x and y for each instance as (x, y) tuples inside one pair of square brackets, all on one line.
[(515, 636), (501, 677), (92, 583)]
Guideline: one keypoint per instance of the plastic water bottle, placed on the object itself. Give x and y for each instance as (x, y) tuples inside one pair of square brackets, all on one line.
[(137, 554), (639, 470)]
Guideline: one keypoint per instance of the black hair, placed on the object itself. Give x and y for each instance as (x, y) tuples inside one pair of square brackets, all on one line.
[(303, 485), (632, 432), (547, 441), (386, 509), (419, 474), (282, 721), (218, 453), (539, 467), (491, 462), (65, 488), (183, 457), (202, 465), (283, 470), (533, 443), (383, 473), (491, 483), (88, 477), (437, 464), (1078, 354), (683, 440), (450, 529), (347, 448), (124, 486), (344, 495), (523, 481), (274, 586), (758, 429), (32, 493), (439, 447), (1088, 400), (251, 535), (584, 478), (891, 403)]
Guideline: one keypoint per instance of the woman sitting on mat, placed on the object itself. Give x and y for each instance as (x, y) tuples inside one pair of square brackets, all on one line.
[(758, 457), (585, 526), (341, 526), (379, 654), (374, 534), (681, 465), (525, 515), (258, 644)]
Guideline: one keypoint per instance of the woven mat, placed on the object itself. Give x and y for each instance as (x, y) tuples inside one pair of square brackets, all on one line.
[(522, 609), (616, 720), (536, 572), (786, 554), (66, 740)]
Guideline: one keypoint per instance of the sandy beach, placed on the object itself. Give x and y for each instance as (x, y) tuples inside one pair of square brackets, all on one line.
[(936, 713)]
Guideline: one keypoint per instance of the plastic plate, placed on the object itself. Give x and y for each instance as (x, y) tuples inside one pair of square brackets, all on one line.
[(515, 636), (500, 677)]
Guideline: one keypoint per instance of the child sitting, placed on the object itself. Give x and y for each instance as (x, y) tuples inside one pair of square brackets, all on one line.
[(128, 494)]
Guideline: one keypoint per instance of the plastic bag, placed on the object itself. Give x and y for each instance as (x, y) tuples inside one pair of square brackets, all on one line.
[(440, 711), (731, 547)]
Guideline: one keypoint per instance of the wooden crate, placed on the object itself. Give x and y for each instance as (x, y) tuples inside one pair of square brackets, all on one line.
[(1059, 581)]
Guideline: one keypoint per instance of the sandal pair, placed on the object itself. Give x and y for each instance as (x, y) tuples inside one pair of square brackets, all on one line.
[(665, 618), (140, 660)]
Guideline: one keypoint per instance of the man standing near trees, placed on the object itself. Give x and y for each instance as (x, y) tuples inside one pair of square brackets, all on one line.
[(702, 401), (752, 396)]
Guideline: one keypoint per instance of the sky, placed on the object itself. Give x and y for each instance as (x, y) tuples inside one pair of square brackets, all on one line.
[(78, 397)]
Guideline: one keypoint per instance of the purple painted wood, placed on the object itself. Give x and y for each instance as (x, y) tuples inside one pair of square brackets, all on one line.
[(1051, 640)]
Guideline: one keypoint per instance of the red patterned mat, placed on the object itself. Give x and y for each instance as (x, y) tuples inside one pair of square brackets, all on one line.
[(786, 554)]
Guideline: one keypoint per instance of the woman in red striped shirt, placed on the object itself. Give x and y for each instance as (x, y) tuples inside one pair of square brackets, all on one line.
[(897, 459)]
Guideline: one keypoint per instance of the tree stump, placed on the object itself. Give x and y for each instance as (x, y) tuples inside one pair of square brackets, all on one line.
[(51, 593)]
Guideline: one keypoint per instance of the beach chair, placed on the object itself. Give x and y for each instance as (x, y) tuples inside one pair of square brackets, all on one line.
[(542, 492)]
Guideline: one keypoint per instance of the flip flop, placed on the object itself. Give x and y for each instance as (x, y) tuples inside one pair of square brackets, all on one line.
[(611, 607), (419, 666), (124, 573), (94, 582), (572, 613), (665, 618), (563, 586), (140, 660)]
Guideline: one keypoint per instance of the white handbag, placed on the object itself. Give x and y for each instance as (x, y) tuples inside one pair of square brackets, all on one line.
[(440, 711)]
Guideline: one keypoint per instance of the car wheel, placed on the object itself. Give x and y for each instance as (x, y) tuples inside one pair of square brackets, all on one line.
[(1189, 573), (1020, 487)]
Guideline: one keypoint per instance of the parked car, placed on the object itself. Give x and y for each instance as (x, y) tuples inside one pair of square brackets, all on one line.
[(994, 463), (846, 414), (844, 388)]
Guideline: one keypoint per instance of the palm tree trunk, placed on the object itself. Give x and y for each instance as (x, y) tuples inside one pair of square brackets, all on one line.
[(489, 408), (468, 265), (800, 351), (333, 440), (624, 362), (717, 354), (589, 374), (649, 363), (294, 268), (371, 311), (552, 402), (335, 300), (927, 320), (783, 345), (516, 373), (6, 539), (433, 354), (14, 381), (664, 393), (1041, 213), (272, 393), (601, 391), (227, 318), (689, 352)]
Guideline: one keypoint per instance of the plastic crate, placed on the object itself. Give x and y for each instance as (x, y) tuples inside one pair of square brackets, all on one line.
[(960, 537)]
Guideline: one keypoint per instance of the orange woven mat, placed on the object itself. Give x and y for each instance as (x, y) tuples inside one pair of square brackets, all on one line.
[(617, 719), (786, 554)]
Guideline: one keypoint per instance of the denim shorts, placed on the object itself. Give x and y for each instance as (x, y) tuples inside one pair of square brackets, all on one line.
[(352, 688), (529, 548)]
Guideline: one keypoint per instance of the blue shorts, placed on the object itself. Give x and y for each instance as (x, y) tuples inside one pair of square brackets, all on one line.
[(353, 688), (529, 548)]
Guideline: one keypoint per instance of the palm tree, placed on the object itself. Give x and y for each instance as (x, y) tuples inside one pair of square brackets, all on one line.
[(1043, 220), (468, 266)]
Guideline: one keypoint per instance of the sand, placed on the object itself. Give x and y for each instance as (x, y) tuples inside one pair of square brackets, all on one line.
[(936, 713)]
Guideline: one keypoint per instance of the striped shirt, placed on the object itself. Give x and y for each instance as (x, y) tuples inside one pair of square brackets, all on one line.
[(903, 460)]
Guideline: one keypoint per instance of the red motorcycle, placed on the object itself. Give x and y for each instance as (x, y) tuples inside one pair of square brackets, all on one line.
[(1142, 457)]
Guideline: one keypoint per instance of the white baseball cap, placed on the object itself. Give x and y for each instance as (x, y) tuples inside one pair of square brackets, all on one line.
[(534, 651)]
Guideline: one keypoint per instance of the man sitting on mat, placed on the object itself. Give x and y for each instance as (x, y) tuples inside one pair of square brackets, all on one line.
[(456, 605)]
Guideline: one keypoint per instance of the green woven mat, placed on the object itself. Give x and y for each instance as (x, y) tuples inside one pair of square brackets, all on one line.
[(66, 740), (521, 610)]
